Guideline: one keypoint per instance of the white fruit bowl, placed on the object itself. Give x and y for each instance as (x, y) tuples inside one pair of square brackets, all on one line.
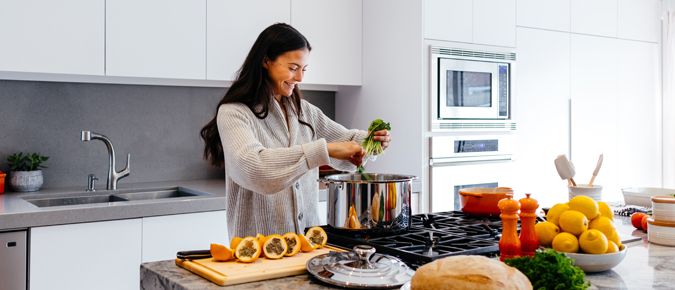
[(598, 263)]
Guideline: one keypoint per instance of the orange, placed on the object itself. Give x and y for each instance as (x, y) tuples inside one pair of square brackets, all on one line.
[(317, 236), (221, 253), (274, 247), (293, 243), (305, 244), (235, 241), (248, 250)]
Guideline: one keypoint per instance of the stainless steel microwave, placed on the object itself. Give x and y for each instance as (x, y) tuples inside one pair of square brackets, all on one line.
[(470, 85)]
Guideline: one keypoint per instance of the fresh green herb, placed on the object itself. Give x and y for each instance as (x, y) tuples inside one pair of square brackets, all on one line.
[(371, 146), (549, 269), (18, 162)]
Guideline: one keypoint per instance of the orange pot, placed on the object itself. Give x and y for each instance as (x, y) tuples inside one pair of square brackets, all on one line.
[(482, 201)]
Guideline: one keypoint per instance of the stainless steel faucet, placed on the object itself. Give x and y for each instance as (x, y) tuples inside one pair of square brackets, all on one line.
[(113, 175)]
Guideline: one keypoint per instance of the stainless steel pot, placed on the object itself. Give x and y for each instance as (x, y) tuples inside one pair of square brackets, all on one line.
[(357, 204)]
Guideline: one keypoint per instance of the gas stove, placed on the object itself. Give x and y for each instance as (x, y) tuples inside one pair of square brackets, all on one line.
[(431, 236)]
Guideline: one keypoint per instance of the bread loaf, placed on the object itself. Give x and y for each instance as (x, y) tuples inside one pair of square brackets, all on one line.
[(468, 272)]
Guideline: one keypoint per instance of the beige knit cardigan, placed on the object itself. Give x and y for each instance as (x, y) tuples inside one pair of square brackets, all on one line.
[(271, 169)]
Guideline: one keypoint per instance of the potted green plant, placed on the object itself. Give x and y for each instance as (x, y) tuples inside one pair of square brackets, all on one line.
[(25, 173)]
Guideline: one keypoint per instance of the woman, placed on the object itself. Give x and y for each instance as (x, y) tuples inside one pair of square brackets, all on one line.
[(271, 141)]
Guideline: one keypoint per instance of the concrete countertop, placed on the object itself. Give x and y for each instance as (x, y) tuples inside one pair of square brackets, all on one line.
[(646, 266), (17, 213)]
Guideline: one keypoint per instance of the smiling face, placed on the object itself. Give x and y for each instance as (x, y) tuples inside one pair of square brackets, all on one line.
[(286, 71)]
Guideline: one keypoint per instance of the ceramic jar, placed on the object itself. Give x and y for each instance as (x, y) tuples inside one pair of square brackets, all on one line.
[(26, 180)]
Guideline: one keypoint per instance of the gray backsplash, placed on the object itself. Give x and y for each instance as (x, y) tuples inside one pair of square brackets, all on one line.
[(158, 125)]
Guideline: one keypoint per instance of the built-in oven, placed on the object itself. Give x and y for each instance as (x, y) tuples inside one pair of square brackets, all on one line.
[(469, 87), (465, 161)]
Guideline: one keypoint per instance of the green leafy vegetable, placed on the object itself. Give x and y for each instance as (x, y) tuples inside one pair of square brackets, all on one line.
[(371, 146), (549, 269)]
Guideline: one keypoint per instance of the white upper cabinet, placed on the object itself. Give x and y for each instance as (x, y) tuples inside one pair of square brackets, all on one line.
[(333, 29), (596, 17), (64, 37), (490, 22), (156, 38), (163, 236), (232, 28), (542, 110), (494, 22), (550, 14), (448, 20), (594, 111), (639, 109), (640, 20)]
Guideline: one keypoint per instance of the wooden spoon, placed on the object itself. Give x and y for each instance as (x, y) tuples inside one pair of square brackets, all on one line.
[(595, 172)]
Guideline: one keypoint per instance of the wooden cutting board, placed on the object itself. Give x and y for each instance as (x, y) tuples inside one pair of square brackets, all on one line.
[(233, 272)]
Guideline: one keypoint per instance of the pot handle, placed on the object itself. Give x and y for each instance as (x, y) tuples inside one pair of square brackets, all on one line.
[(474, 194), (327, 182)]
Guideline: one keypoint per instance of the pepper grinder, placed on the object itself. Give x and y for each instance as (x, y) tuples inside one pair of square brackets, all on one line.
[(509, 244), (528, 237)]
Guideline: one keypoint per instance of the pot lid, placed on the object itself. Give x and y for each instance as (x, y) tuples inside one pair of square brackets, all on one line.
[(663, 199), (360, 268)]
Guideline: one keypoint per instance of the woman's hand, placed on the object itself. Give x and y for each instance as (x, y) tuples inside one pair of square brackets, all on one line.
[(382, 136), (350, 151)]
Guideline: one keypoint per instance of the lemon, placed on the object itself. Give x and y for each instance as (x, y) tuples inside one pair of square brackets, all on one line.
[(554, 213), (573, 222), (615, 238), (593, 242), (565, 242), (546, 231), (585, 205), (602, 224), (605, 210), (611, 248)]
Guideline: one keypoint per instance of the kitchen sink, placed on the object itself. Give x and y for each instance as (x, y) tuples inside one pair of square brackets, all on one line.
[(160, 194), (47, 202), (128, 195)]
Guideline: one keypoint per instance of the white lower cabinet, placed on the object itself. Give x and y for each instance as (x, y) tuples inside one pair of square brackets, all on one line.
[(163, 236), (108, 255), (98, 255)]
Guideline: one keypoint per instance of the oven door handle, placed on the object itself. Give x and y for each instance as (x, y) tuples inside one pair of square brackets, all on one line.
[(438, 162)]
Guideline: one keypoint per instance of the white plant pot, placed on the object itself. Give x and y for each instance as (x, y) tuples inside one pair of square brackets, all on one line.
[(26, 180)]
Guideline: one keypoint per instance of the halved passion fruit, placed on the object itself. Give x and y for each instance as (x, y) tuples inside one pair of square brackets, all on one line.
[(306, 245), (248, 250), (274, 247), (234, 243), (221, 253), (317, 236), (293, 243), (261, 241)]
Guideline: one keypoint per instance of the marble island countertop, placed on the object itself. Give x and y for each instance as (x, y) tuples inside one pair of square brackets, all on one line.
[(646, 266)]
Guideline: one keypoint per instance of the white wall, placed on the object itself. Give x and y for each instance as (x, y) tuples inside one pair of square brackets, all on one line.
[(393, 83)]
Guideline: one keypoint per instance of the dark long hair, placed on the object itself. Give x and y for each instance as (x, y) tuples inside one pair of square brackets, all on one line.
[(253, 86)]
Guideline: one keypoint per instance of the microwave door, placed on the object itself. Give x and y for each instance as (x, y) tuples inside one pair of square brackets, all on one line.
[(468, 89)]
